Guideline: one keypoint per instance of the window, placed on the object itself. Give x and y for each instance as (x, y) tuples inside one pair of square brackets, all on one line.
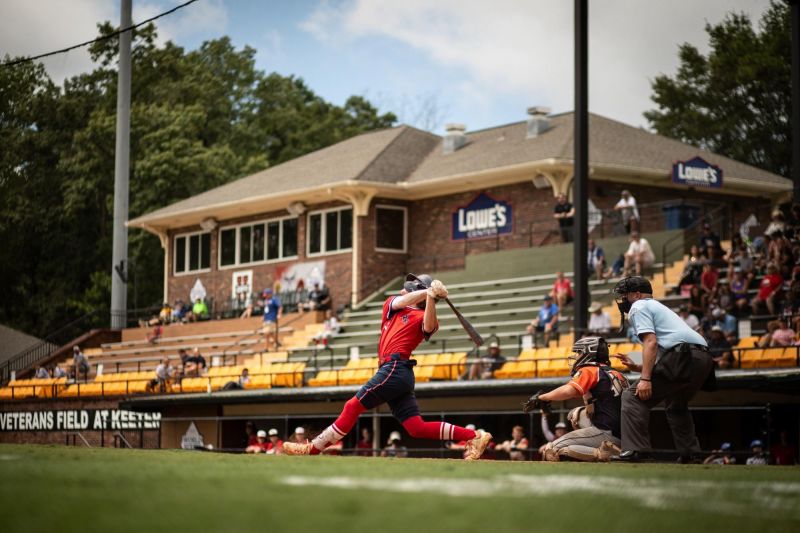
[(330, 230), (192, 252), (270, 240), (390, 228)]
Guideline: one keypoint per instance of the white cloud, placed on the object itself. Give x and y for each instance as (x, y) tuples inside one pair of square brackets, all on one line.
[(525, 48), (30, 28)]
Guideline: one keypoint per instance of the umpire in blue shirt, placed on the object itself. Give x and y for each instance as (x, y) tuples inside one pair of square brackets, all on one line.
[(675, 365)]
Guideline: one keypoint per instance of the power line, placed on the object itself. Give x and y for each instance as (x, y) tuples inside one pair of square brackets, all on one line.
[(105, 37)]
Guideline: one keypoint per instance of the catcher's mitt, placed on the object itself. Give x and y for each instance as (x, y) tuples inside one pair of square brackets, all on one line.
[(535, 404)]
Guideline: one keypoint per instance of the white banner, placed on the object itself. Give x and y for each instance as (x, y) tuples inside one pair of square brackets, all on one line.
[(304, 274)]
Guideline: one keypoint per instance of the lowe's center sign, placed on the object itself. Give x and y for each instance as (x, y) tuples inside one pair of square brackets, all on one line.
[(697, 172), (483, 217)]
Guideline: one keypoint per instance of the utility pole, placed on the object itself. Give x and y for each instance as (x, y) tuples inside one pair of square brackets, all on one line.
[(119, 264), (581, 169)]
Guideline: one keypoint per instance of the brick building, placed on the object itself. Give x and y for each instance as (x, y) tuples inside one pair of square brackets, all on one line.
[(361, 212)]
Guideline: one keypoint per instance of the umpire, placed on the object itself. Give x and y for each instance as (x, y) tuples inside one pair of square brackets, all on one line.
[(675, 365)]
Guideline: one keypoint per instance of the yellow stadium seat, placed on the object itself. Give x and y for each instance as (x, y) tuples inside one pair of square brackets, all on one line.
[(542, 353), (261, 381), (505, 371), (747, 342), (192, 385), (751, 358), (775, 357), (525, 369), (528, 353), (559, 351), (554, 368), (324, 378)]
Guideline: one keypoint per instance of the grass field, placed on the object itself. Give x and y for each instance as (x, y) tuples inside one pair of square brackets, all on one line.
[(45, 488)]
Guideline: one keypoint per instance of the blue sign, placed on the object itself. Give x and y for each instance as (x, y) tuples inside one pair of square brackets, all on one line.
[(697, 172), (483, 217)]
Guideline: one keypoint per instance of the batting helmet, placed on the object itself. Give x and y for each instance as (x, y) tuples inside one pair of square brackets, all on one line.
[(416, 283), (589, 351)]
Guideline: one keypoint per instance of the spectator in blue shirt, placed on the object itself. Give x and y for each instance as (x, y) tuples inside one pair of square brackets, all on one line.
[(596, 259), (547, 321), (272, 314), (726, 321)]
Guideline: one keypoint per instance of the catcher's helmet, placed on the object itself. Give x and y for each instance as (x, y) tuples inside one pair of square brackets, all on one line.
[(589, 351), (416, 283)]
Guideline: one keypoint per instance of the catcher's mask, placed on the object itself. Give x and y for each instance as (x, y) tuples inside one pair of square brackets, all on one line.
[(623, 288), (417, 283), (589, 351)]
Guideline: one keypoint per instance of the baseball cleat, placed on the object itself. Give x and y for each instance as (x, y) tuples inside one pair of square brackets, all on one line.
[(477, 446), (294, 448)]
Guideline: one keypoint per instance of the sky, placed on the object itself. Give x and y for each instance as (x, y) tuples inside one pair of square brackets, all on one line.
[(474, 62)]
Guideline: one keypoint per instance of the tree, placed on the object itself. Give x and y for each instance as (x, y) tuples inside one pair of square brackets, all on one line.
[(199, 119), (736, 99)]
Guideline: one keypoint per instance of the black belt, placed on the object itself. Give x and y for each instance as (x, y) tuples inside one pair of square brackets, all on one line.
[(690, 346)]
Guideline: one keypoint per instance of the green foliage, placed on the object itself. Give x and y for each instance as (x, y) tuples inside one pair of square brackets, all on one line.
[(199, 119), (736, 99)]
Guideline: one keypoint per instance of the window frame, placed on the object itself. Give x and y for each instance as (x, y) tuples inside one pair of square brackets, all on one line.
[(323, 230), (187, 253), (265, 261), (402, 208)]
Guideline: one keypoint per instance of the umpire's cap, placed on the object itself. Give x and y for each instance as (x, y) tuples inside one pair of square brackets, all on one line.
[(633, 284)]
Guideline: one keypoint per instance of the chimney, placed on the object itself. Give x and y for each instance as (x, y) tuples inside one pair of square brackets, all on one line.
[(538, 122), (454, 138)]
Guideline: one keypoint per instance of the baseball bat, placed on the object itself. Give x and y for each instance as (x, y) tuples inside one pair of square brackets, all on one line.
[(469, 328)]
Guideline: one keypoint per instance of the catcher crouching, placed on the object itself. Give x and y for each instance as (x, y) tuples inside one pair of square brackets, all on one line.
[(596, 424)]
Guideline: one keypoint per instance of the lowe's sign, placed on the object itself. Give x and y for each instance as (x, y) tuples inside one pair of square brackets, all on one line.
[(483, 217), (697, 172)]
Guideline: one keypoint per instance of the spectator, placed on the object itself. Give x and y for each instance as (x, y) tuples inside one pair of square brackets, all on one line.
[(726, 321), (487, 366), (240, 383), (639, 255), (165, 315), (261, 445), (599, 320), (42, 373), (59, 372), (330, 328), (163, 373), (299, 435), (560, 429), (275, 444), (693, 269), (319, 299), (395, 446), (689, 318), (248, 306), (777, 223), (708, 283), (758, 457), (179, 311), (515, 447), (709, 243), (720, 349), (738, 288), (562, 290), (783, 453), (200, 310), (618, 266), (722, 456), (696, 305), (364, 446), (272, 314), (198, 360), (765, 341), (155, 334), (564, 212), (768, 291), (250, 433), (597, 260), (547, 321), (783, 336), (79, 364), (630, 214)]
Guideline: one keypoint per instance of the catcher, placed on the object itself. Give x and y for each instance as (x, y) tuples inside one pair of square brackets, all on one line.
[(596, 424)]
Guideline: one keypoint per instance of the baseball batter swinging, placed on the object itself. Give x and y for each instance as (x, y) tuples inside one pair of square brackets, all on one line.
[(596, 435), (407, 320)]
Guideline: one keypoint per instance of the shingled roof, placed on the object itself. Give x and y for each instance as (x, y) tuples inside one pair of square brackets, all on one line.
[(405, 157)]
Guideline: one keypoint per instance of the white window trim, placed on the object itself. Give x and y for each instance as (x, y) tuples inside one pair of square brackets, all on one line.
[(322, 213), (237, 233), (188, 272), (405, 228)]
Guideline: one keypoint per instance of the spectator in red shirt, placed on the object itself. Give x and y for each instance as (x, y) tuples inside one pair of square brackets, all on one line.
[(364, 446), (769, 290), (250, 433), (261, 444), (275, 444), (783, 453), (708, 282), (562, 290)]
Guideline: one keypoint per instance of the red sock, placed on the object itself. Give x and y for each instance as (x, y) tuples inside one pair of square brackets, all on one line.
[(420, 429), (336, 431)]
